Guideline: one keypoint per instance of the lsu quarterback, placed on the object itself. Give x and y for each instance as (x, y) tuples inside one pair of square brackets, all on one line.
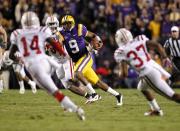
[(73, 37), (64, 62)]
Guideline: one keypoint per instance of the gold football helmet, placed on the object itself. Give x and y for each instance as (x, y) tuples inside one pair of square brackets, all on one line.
[(68, 22)]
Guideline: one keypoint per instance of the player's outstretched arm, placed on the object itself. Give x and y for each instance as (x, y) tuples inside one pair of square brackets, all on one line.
[(155, 45), (123, 69)]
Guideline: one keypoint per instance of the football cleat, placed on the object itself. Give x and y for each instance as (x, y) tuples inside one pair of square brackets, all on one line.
[(154, 113), (94, 97), (22, 91), (80, 113), (119, 100), (89, 100)]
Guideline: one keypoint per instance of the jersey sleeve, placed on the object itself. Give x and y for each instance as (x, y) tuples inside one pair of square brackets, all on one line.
[(144, 38), (82, 30), (47, 32), (13, 38), (119, 55)]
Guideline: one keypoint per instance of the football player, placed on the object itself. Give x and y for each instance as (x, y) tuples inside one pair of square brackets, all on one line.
[(21, 76), (30, 41), (64, 62), (134, 52), (3, 45), (19, 71), (73, 37)]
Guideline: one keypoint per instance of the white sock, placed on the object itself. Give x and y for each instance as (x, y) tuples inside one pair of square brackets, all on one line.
[(1, 85), (152, 108), (113, 92), (21, 84), (90, 89), (154, 105), (30, 82), (68, 104)]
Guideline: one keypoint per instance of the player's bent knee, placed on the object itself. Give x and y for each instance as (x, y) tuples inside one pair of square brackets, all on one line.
[(22, 73), (78, 74), (74, 82), (139, 87)]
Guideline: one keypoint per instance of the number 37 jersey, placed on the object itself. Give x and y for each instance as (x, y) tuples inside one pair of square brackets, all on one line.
[(31, 41), (134, 52)]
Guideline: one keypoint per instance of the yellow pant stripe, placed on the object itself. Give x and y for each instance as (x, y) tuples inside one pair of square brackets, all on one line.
[(84, 65), (84, 62)]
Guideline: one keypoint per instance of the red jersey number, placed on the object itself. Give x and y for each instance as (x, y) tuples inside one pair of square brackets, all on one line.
[(136, 57), (33, 46)]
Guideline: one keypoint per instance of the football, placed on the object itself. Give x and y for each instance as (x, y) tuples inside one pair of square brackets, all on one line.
[(96, 43)]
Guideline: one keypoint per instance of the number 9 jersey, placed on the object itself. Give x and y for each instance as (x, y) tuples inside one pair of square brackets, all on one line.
[(74, 41)]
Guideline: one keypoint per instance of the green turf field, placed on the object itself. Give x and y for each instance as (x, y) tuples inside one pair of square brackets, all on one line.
[(40, 112)]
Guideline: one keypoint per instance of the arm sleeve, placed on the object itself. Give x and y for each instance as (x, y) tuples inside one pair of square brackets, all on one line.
[(48, 32), (144, 38), (13, 39), (82, 30), (119, 55)]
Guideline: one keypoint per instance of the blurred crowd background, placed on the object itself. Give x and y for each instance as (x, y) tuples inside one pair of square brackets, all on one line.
[(154, 18)]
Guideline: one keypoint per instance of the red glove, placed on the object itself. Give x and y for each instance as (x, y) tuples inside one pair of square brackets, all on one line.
[(58, 46)]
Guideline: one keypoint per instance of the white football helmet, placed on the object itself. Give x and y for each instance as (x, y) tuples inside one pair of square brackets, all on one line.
[(30, 20), (123, 36), (53, 23)]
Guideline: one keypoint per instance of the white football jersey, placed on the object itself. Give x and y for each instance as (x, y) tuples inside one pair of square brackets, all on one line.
[(31, 41), (134, 52)]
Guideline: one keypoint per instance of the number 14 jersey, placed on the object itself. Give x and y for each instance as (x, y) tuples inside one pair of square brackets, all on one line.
[(31, 41)]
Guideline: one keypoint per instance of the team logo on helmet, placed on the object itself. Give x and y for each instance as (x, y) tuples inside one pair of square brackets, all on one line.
[(123, 36), (53, 23), (68, 22)]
